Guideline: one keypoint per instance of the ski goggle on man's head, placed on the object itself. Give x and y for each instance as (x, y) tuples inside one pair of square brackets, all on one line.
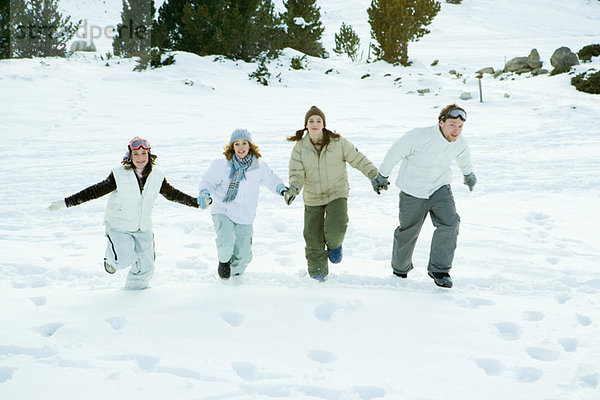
[(138, 143), (455, 113)]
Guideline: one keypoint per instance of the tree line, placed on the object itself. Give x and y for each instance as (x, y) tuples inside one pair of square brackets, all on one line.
[(248, 30)]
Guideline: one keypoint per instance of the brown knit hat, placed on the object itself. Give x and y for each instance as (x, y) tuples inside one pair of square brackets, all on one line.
[(314, 110)]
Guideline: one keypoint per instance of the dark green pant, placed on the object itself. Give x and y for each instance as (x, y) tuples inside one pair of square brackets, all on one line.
[(324, 226), (413, 211)]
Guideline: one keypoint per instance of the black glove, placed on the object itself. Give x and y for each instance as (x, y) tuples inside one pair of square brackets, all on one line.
[(470, 180), (290, 194), (379, 183)]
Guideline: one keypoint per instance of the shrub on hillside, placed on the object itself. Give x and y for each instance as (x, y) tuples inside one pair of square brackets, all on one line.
[(588, 82), (394, 23), (587, 52), (155, 58), (347, 42)]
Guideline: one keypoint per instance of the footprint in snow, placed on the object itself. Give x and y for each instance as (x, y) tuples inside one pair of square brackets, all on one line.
[(232, 318), (528, 374), (584, 320), (490, 366), (321, 356), (6, 373), (48, 329), (569, 344), (38, 300), (245, 370), (117, 323), (533, 316), (325, 311), (369, 392), (508, 330), (542, 354), (474, 302)]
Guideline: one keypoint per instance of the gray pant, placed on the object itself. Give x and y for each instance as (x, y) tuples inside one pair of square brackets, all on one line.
[(413, 211), (234, 242), (131, 248)]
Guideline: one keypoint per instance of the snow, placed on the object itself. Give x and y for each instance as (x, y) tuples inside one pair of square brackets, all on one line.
[(522, 320)]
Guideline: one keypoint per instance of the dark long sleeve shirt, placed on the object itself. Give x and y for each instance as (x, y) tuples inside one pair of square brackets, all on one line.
[(109, 184)]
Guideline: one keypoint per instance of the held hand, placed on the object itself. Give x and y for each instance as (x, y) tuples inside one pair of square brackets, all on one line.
[(290, 194), (470, 180), (57, 205), (281, 189), (379, 183), (204, 199)]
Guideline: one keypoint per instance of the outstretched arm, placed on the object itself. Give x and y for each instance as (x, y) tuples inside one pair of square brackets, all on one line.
[(172, 194), (93, 192)]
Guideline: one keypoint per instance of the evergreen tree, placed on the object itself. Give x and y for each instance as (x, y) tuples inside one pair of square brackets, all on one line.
[(134, 31), (396, 22), (347, 42), (38, 29), (304, 29), (167, 28), (238, 29), (4, 29)]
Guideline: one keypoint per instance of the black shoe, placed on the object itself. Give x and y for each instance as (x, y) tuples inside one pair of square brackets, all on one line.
[(401, 275), (441, 279), (224, 269)]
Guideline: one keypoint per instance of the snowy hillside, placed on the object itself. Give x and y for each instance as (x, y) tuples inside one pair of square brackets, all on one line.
[(521, 322)]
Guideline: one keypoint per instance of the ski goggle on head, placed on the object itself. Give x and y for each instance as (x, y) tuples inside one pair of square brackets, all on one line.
[(138, 143), (455, 113)]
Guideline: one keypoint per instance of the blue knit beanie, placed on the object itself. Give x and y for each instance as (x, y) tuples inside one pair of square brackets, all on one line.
[(240, 134)]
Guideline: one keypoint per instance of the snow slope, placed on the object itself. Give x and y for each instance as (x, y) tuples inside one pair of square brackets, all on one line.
[(522, 321)]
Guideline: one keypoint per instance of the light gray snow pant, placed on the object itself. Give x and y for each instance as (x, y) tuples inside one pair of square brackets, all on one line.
[(413, 211), (234, 242), (131, 248)]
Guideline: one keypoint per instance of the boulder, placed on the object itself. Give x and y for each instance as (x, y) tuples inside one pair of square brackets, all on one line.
[(563, 59)]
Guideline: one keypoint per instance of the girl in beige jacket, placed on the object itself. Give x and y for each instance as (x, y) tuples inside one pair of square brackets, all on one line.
[(318, 165)]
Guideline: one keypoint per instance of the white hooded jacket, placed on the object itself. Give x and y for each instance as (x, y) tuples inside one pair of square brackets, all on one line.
[(242, 209)]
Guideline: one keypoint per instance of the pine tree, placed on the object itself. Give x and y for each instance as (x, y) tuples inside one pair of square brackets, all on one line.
[(4, 29), (167, 28), (347, 42), (304, 29), (238, 29), (38, 29), (394, 23), (134, 31)]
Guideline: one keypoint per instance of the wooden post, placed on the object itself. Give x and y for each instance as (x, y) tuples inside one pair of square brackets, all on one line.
[(479, 76)]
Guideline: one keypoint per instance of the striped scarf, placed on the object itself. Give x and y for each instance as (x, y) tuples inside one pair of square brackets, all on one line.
[(238, 172)]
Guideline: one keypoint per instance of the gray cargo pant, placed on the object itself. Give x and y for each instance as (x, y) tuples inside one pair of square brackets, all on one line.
[(413, 211), (131, 248)]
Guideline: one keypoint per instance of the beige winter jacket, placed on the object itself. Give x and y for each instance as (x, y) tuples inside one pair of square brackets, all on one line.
[(324, 176)]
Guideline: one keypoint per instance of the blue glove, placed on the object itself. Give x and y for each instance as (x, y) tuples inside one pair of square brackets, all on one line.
[(470, 180), (379, 183), (204, 199), (281, 189)]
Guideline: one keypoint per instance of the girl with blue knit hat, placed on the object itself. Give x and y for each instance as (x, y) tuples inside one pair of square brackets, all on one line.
[(231, 187)]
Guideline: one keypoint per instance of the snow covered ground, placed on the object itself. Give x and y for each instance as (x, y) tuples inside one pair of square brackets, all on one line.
[(522, 321)]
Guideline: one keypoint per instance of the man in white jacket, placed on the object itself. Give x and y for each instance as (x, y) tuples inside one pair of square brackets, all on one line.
[(424, 180)]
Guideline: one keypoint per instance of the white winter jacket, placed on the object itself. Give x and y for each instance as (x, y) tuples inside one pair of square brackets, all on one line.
[(242, 209), (426, 156), (127, 208)]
